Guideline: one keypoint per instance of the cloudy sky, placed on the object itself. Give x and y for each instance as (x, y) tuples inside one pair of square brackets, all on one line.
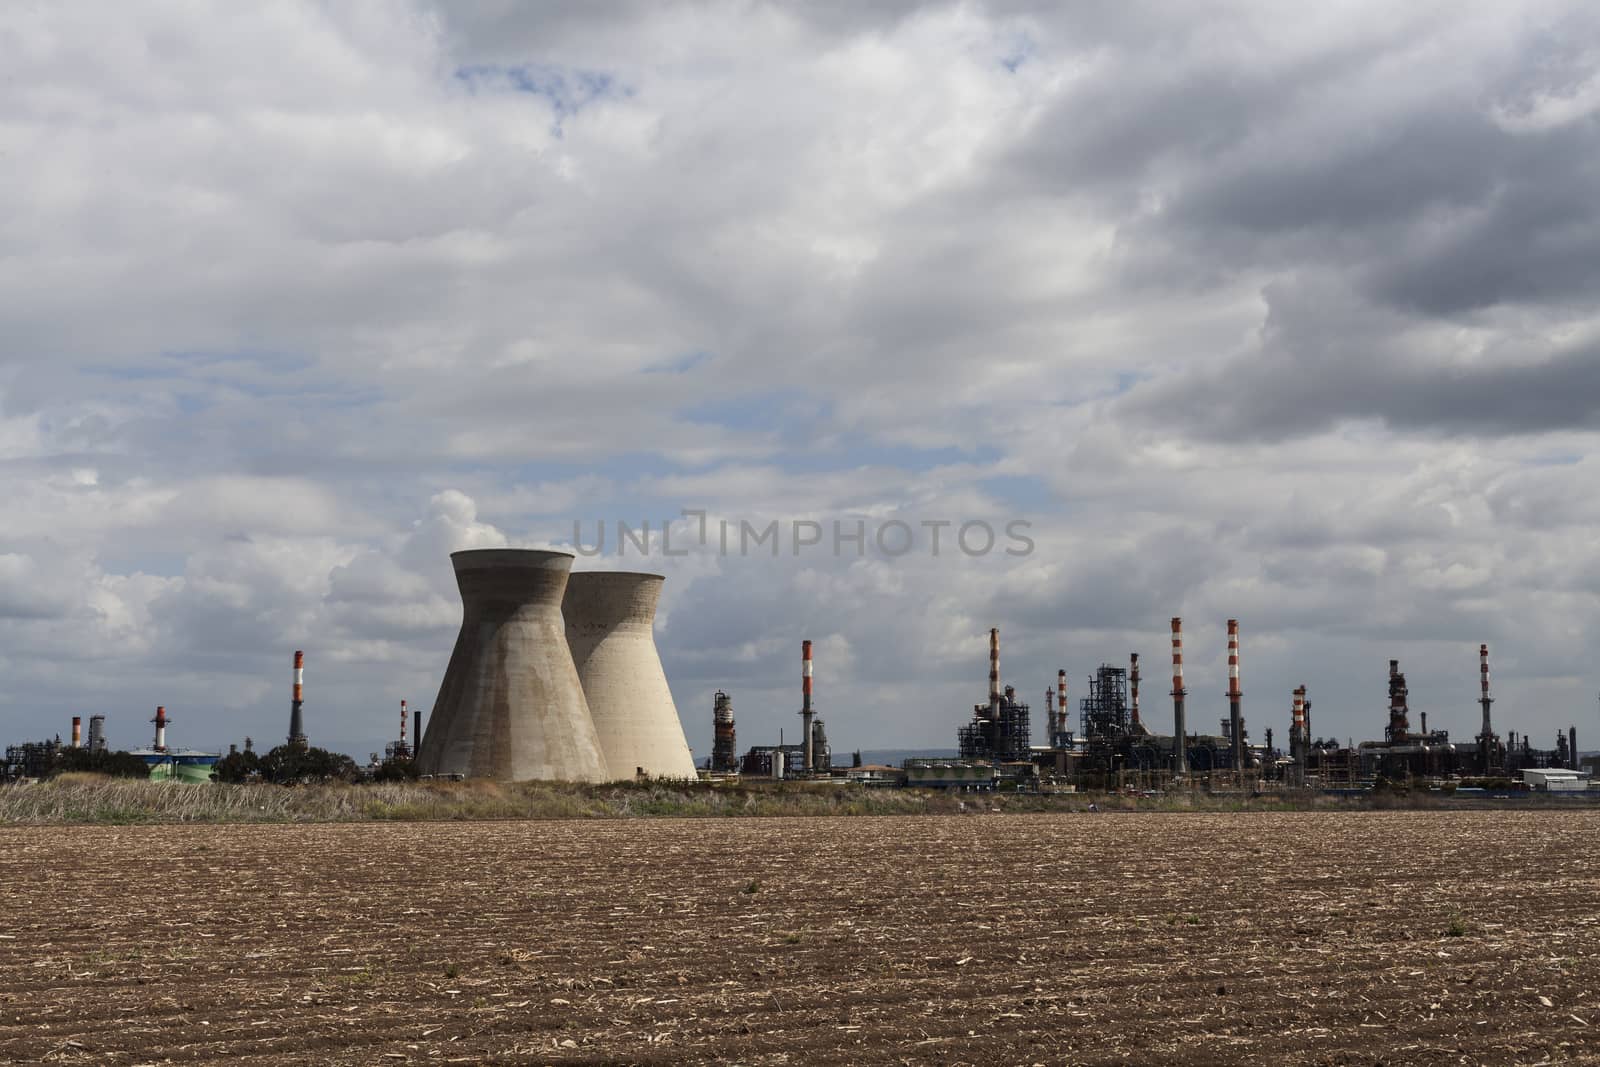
[(1260, 310)]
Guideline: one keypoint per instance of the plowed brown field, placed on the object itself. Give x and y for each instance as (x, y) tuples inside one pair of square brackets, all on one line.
[(1415, 937)]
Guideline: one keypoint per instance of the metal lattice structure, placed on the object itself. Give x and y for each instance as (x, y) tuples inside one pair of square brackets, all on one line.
[(1104, 713), (1003, 737)]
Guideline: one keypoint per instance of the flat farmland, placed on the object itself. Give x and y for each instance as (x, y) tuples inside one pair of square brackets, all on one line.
[(1324, 938)]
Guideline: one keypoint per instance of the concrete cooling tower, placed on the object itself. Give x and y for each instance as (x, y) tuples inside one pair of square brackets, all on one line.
[(610, 628), (511, 706)]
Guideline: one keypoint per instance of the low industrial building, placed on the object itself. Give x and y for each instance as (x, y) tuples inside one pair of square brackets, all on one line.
[(1555, 780)]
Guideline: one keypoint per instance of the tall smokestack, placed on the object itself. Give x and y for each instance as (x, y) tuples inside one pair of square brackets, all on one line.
[(994, 674), (1487, 742), (1297, 729), (403, 750), (1061, 701), (1180, 736), (1133, 686), (805, 705), (1484, 698), (297, 730), (1572, 747), (77, 731), (161, 721), (416, 732), (1235, 721)]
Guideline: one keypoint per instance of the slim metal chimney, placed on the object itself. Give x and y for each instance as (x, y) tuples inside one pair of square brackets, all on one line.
[(297, 729), (1487, 742), (1297, 730), (1484, 699), (805, 702), (1235, 722), (1180, 737), (1133, 687), (994, 674), (1572, 747), (416, 732), (161, 721), (77, 731)]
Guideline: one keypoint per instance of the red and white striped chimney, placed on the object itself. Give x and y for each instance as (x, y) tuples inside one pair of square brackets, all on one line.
[(1061, 701), (402, 725), (161, 721), (805, 705), (297, 730), (805, 676), (1180, 734), (1235, 719), (77, 731), (1233, 659), (1300, 711), (1177, 657)]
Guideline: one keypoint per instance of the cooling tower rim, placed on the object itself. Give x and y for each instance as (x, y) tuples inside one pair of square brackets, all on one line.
[(631, 575), (471, 559)]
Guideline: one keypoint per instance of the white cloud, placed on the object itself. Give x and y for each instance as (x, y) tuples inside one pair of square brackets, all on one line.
[(1260, 313)]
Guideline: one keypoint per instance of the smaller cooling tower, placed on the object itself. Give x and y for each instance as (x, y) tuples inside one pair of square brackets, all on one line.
[(610, 628), (511, 706)]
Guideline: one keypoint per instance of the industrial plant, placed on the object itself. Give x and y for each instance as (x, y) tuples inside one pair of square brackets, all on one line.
[(555, 675)]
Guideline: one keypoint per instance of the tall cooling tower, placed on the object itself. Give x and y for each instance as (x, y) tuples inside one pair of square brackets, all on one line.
[(511, 706), (610, 627)]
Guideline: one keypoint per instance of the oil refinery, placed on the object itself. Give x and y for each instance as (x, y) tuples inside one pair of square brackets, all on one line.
[(555, 675)]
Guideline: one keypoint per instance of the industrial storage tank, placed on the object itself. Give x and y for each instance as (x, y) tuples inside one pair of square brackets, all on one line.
[(611, 630), (511, 706)]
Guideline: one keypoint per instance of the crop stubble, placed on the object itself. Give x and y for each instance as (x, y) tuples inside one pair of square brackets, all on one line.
[(1377, 937)]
